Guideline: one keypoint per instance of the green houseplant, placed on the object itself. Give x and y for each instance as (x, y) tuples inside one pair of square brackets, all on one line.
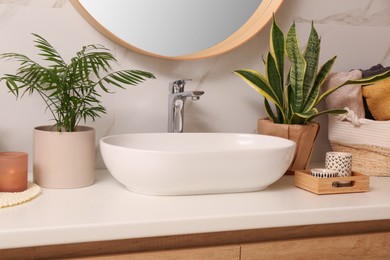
[(71, 94), (295, 96)]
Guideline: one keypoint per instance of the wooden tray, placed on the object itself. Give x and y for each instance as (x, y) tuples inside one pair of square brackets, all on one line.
[(356, 183)]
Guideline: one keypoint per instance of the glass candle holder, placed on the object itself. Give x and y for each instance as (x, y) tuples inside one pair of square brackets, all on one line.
[(13, 171)]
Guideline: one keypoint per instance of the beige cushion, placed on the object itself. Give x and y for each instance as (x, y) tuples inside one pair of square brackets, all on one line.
[(347, 96), (378, 99)]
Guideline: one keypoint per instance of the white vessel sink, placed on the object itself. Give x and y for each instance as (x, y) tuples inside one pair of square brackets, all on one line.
[(196, 163)]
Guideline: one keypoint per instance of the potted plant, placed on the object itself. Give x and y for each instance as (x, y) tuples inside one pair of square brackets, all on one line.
[(295, 96), (64, 153)]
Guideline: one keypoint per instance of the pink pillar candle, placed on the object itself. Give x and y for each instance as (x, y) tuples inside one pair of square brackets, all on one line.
[(13, 171)]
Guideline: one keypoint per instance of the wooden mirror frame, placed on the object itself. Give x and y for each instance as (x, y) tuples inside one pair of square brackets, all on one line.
[(255, 23)]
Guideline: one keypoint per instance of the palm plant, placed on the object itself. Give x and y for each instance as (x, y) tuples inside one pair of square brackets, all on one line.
[(70, 91), (296, 102)]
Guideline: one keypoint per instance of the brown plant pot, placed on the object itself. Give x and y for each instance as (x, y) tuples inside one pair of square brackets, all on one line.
[(303, 135), (64, 160)]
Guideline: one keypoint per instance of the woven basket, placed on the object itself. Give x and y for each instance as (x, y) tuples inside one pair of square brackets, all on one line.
[(367, 140)]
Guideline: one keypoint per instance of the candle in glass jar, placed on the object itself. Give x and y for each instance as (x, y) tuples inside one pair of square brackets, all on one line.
[(13, 171)]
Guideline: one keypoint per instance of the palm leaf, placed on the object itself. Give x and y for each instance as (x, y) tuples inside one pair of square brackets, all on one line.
[(124, 77), (48, 51)]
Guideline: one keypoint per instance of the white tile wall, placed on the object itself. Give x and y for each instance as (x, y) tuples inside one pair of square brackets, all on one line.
[(358, 31)]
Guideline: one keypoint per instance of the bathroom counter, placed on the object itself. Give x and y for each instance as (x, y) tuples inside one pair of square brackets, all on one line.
[(106, 211)]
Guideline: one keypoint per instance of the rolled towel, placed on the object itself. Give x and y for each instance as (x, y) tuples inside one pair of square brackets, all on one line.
[(374, 70), (377, 96), (347, 96)]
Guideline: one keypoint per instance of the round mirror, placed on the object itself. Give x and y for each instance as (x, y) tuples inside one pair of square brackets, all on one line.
[(178, 29)]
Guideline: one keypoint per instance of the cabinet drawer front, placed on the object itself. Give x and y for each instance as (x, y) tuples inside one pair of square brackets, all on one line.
[(366, 246), (214, 253)]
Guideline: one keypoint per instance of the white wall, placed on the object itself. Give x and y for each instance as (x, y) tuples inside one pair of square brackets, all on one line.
[(358, 31)]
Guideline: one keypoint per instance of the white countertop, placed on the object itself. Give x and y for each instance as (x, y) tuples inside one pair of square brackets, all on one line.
[(107, 211)]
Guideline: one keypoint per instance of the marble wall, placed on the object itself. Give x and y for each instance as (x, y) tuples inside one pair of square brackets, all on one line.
[(358, 31)]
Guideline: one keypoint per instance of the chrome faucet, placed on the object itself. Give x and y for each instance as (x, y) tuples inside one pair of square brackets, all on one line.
[(176, 99)]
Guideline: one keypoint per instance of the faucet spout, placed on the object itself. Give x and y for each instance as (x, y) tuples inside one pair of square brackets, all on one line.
[(195, 95), (176, 100)]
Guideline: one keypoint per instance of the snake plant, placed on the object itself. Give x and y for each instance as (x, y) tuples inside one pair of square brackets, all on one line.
[(70, 90), (296, 97)]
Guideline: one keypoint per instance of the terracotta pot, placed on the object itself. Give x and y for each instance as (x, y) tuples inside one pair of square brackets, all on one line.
[(64, 159), (303, 135)]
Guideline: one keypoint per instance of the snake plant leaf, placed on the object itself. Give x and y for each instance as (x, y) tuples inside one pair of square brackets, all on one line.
[(277, 48), (296, 119), (298, 67), (274, 80), (313, 113), (269, 111), (290, 100), (312, 99), (329, 111), (365, 81), (301, 118), (311, 56), (280, 115), (259, 83)]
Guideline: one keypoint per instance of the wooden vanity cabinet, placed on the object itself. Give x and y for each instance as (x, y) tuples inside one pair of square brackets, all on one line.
[(368, 246), (353, 240)]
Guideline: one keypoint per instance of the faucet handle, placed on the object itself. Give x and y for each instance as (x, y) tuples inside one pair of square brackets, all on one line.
[(177, 86)]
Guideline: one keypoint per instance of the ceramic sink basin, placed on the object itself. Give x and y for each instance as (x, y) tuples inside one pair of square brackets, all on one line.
[(196, 163)]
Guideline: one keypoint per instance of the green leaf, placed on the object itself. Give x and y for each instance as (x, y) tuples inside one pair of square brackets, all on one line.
[(311, 55), (312, 99), (260, 84), (304, 117), (298, 67), (330, 111), (289, 110), (11, 85), (48, 51), (277, 48), (129, 77), (269, 111), (274, 79)]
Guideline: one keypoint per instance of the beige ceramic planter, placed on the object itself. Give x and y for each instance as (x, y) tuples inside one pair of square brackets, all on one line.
[(303, 135), (64, 159)]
